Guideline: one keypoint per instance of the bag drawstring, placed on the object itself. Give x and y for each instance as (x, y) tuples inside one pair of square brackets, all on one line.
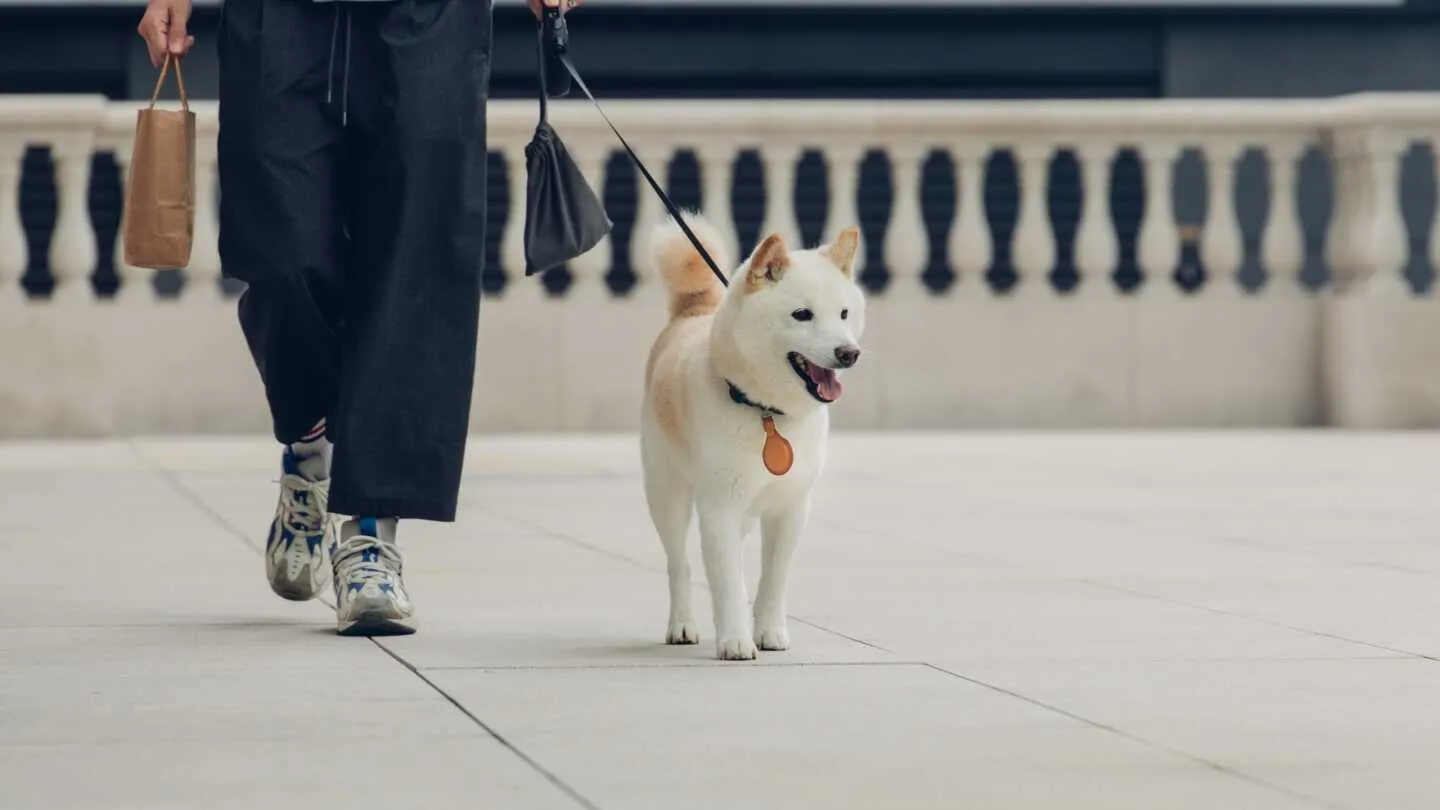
[(345, 82), (330, 71), (544, 95)]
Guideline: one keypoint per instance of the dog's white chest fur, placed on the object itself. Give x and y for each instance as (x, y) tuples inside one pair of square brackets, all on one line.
[(740, 452), (770, 345)]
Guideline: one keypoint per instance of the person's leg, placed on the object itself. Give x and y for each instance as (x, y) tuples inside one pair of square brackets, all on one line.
[(280, 232), (418, 225), (418, 83)]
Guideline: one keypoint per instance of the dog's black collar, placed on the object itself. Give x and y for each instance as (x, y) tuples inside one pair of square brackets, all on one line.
[(740, 398)]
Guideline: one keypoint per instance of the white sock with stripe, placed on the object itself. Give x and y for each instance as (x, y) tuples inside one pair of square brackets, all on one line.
[(309, 458)]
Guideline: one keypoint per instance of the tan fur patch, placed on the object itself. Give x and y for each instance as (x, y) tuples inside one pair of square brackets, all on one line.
[(693, 304), (694, 290), (665, 376)]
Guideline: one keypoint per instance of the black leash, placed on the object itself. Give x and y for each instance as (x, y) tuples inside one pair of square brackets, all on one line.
[(649, 178), (558, 51)]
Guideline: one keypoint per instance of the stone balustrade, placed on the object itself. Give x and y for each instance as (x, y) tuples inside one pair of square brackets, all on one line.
[(1030, 263)]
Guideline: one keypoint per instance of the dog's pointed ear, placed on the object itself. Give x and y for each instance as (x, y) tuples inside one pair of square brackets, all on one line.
[(844, 251), (768, 263)]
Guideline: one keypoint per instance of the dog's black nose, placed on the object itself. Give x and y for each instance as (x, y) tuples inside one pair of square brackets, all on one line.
[(847, 355)]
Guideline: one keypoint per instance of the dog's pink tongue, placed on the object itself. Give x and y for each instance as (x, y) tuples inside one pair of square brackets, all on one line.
[(827, 383)]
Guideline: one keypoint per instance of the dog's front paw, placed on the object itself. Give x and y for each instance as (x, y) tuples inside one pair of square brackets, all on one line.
[(773, 639), (682, 632), (736, 649)]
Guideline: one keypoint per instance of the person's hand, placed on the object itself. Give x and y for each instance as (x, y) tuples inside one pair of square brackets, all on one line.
[(538, 6), (163, 29)]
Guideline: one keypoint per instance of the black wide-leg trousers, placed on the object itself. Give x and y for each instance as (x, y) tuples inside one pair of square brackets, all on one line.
[(352, 172)]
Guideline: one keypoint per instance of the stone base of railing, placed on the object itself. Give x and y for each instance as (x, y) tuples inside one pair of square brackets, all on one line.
[(137, 366), (1109, 361), (131, 366), (1382, 360)]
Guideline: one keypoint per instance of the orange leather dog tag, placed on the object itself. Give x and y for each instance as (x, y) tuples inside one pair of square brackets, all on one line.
[(778, 454)]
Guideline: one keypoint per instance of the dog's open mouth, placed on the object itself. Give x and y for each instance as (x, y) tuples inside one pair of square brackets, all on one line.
[(822, 383)]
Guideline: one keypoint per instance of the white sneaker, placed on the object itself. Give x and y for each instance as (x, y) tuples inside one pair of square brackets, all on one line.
[(295, 550), (370, 597)]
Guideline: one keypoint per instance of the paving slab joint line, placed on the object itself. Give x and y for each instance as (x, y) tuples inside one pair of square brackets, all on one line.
[(1218, 767), (549, 775), (1257, 619), (193, 498), (711, 664), (1349, 562)]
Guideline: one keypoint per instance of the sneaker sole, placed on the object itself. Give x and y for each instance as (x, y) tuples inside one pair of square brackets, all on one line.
[(377, 624), (292, 594), (300, 591)]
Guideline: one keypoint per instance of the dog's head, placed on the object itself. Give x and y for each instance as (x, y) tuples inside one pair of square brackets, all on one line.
[(800, 319)]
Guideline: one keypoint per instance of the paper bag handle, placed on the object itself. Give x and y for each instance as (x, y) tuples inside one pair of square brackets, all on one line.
[(179, 80)]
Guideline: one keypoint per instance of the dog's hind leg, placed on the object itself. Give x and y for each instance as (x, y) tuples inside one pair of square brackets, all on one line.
[(671, 504), (780, 535)]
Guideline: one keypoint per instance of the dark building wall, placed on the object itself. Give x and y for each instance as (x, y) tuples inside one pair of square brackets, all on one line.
[(878, 51), (1300, 58), (706, 53)]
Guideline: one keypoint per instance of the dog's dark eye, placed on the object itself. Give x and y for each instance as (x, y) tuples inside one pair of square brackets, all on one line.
[(844, 314), (802, 315)]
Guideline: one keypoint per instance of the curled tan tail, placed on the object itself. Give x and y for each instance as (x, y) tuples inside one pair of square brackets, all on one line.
[(692, 287)]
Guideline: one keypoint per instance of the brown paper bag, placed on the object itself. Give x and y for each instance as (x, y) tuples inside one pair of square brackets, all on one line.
[(160, 193)]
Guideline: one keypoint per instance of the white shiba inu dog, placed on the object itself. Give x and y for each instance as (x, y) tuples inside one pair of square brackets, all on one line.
[(735, 419)]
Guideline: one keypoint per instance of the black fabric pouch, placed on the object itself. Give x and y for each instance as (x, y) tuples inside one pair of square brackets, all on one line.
[(563, 217)]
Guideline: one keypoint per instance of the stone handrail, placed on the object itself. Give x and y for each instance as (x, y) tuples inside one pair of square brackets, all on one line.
[(1366, 128)]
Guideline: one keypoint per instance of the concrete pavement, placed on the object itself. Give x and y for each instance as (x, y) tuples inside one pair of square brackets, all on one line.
[(985, 621)]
